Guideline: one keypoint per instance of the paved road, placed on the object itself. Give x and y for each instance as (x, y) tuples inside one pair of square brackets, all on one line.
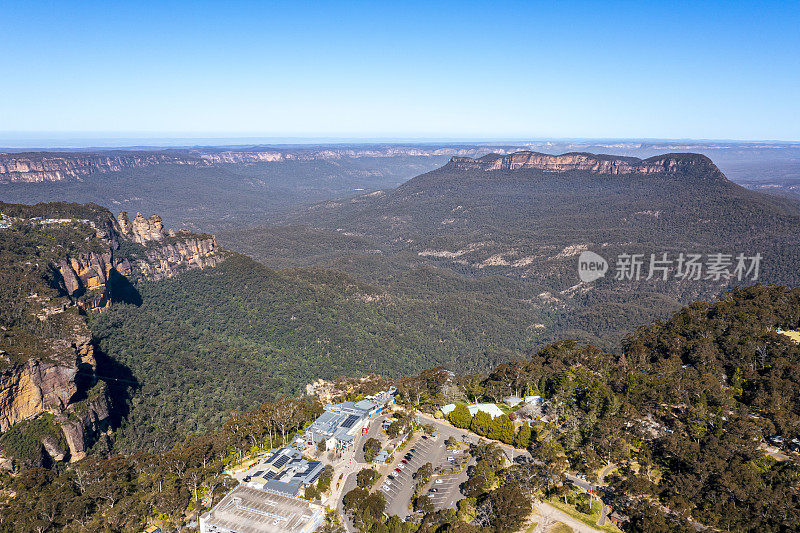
[(601, 481), (347, 485), (374, 432)]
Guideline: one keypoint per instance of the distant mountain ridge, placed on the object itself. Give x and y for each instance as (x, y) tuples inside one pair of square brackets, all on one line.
[(528, 216), (595, 163), (44, 166)]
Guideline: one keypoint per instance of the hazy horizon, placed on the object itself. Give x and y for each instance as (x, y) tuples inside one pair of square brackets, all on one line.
[(39, 141)]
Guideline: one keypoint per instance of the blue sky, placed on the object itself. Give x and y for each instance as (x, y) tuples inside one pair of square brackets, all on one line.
[(460, 70)]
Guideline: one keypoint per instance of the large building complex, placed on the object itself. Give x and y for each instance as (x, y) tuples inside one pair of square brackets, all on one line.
[(266, 501), (340, 422), (249, 510)]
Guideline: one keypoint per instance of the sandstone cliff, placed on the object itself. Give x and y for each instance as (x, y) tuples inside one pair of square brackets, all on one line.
[(56, 371), (594, 163), (50, 166), (164, 254), (56, 383)]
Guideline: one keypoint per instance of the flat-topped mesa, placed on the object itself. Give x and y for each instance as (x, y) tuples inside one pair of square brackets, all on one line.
[(594, 163), (142, 229)]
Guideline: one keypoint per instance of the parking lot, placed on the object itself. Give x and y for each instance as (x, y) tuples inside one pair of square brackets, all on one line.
[(400, 489)]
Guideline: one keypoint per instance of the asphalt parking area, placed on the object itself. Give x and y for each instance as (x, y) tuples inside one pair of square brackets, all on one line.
[(401, 488)]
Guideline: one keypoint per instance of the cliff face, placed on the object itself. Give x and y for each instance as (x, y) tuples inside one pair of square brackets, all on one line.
[(55, 385), (596, 164), (50, 166), (169, 259), (56, 373), (165, 253), (46, 166)]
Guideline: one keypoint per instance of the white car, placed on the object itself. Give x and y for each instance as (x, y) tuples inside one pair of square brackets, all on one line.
[(401, 466), (438, 481)]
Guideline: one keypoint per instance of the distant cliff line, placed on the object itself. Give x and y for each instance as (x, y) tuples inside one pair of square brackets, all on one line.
[(586, 162), (32, 167)]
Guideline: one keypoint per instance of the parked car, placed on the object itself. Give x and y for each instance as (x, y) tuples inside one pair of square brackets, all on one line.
[(438, 481), (390, 476), (451, 458), (433, 490), (404, 462), (397, 470), (401, 466)]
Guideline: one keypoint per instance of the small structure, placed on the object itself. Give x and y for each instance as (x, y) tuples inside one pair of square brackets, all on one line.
[(381, 458), (339, 424), (512, 401), (535, 400), (618, 519), (249, 510)]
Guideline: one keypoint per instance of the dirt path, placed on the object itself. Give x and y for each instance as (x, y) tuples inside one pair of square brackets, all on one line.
[(549, 515)]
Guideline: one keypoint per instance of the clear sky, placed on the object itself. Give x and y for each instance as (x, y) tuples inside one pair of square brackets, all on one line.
[(493, 70)]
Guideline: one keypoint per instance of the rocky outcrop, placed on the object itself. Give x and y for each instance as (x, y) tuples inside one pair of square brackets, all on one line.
[(170, 258), (85, 422), (86, 277), (36, 387), (40, 386), (593, 163), (142, 230), (166, 253)]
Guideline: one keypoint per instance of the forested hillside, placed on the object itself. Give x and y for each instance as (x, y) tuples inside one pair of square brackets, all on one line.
[(211, 341), (531, 224)]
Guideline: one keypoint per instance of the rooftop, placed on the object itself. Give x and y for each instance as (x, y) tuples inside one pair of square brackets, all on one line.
[(249, 510)]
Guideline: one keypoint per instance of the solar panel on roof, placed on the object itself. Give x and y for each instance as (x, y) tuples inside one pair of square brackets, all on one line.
[(350, 421), (282, 460)]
